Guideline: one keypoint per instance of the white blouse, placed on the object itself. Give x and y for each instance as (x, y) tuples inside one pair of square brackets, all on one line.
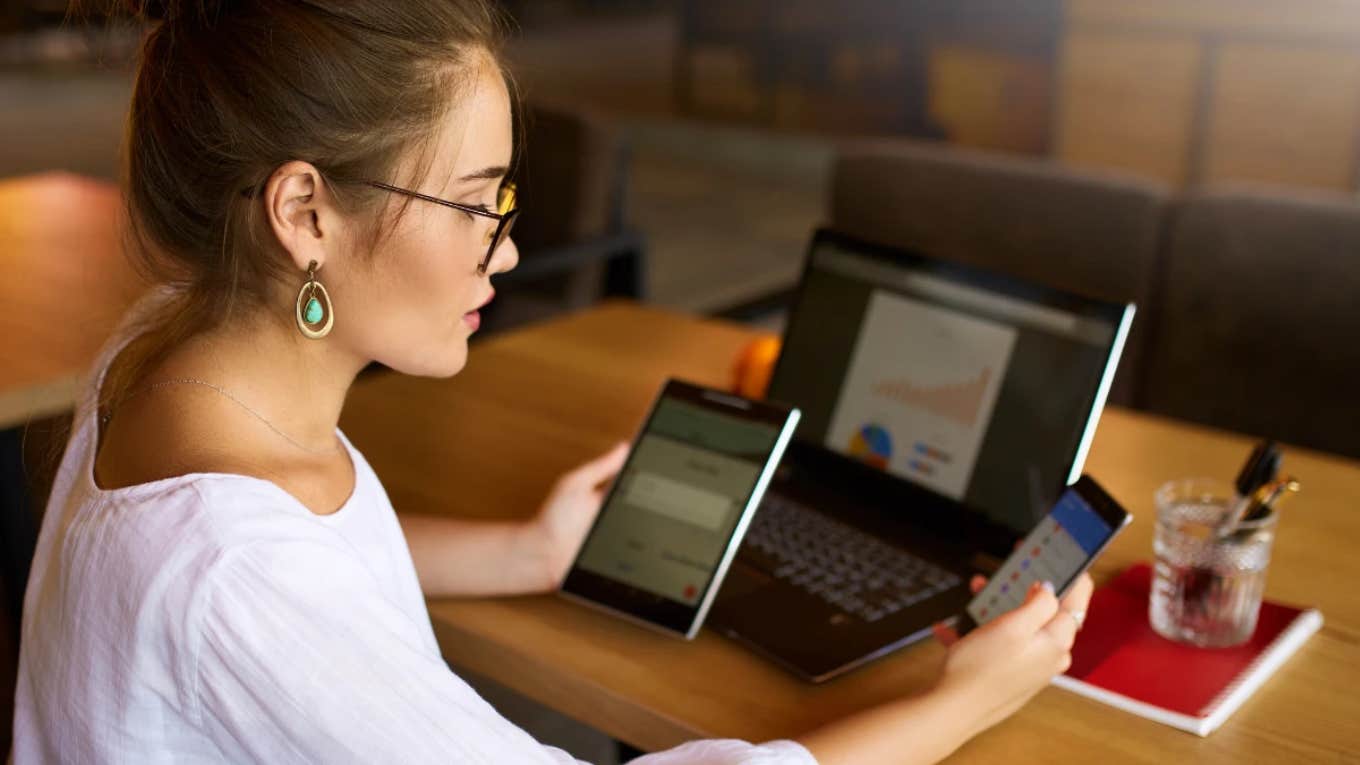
[(214, 618)]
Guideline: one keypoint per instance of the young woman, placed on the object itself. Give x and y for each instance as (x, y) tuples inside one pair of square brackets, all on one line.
[(220, 577)]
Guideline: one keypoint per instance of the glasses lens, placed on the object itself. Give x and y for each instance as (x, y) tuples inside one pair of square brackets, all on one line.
[(505, 199)]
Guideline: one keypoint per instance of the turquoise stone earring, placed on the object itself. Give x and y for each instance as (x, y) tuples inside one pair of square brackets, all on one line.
[(313, 310)]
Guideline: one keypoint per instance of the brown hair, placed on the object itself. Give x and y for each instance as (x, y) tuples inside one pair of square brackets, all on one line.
[(228, 90)]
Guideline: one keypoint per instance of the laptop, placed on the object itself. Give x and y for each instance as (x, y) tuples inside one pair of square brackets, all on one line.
[(945, 407)]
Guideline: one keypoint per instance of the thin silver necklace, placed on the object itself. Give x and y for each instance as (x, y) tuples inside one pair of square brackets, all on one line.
[(192, 381)]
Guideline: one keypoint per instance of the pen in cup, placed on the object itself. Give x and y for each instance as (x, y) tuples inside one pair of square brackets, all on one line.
[(1259, 470), (1267, 499)]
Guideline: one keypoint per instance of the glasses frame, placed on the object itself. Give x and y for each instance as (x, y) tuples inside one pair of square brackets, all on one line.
[(503, 220)]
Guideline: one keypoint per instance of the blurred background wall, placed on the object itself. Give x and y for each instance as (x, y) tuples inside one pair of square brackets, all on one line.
[(731, 109)]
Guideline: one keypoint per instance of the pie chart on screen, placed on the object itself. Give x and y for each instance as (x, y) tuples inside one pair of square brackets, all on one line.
[(872, 445)]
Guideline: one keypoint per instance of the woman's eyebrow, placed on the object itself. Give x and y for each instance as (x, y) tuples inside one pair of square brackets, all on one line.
[(486, 173)]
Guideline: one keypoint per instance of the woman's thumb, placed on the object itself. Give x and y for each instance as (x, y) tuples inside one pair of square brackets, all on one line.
[(1040, 605), (605, 466)]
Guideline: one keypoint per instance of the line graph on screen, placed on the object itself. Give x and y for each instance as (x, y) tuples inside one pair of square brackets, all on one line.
[(959, 402)]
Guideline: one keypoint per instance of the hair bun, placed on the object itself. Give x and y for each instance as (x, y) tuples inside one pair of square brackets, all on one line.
[(151, 10), (195, 12)]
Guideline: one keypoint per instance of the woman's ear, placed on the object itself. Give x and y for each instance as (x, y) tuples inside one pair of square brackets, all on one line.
[(300, 213)]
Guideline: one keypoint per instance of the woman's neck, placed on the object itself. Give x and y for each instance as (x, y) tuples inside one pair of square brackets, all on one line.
[(295, 384)]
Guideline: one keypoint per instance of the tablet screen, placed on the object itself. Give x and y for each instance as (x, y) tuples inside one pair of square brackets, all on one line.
[(668, 521), (677, 508)]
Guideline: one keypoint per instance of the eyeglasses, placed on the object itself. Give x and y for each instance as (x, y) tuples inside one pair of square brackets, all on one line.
[(505, 213)]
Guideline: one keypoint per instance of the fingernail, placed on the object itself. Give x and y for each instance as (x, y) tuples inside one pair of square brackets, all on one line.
[(1049, 586)]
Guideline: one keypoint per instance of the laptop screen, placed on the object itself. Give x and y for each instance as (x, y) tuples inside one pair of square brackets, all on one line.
[(977, 387)]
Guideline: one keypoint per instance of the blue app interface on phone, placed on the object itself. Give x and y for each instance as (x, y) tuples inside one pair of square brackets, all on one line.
[(1055, 551)]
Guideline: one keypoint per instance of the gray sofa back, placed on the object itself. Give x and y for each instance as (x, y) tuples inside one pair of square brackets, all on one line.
[(1258, 323), (1249, 300), (1096, 234)]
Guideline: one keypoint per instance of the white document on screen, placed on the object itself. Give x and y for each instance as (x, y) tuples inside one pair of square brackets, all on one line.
[(921, 387)]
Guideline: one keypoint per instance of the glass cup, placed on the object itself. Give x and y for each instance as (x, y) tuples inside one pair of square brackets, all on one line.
[(1206, 588)]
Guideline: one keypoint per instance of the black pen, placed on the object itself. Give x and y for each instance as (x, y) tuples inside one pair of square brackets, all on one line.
[(1259, 470)]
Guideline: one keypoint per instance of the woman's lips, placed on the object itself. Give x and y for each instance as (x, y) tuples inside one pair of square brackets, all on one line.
[(473, 318)]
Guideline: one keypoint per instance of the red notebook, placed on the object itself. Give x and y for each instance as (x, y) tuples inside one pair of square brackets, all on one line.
[(1120, 661)]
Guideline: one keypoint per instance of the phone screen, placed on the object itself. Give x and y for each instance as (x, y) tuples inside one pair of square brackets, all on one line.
[(673, 509), (1057, 550)]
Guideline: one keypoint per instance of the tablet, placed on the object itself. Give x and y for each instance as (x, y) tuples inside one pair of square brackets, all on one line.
[(675, 515)]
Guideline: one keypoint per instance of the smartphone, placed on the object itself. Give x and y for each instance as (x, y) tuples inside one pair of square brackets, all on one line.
[(1063, 545), (675, 516)]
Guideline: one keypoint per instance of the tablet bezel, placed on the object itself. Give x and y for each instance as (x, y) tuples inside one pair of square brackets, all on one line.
[(658, 611)]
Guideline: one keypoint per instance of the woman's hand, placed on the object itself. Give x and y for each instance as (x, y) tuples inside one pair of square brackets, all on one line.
[(999, 666), (570, 508), (988, 675)]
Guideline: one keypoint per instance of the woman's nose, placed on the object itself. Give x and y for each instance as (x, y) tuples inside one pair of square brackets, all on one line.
[(505, 258)]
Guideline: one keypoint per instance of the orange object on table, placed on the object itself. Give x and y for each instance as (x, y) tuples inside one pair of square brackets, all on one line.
[(755, 365)]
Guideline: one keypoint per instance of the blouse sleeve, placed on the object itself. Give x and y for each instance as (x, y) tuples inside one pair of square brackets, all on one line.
[(301, 658)]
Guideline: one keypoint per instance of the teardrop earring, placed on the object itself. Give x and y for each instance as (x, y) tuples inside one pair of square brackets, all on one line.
[(313, 311)]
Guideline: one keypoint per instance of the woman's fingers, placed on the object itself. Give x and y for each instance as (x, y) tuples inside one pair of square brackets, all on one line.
[(1071, 612), (1038, 610), (601, 468), (944, 633), (1078, 596), (977, 583), (1062, 628)]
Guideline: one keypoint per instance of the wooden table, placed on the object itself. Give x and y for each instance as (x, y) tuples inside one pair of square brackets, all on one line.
[(489, 442), (64, 282)]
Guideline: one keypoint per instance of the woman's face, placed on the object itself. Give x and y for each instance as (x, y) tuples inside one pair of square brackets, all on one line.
[(413, 305)]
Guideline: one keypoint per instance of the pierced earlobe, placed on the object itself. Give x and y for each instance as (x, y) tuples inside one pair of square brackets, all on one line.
[(313, 312)]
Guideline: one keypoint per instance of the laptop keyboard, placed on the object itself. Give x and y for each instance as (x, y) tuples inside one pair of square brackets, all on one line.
[(843, 566)]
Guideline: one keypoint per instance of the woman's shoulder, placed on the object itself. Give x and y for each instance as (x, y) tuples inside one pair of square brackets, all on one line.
[(185, 522), (169, 549), (141, 569), (147, 444)]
